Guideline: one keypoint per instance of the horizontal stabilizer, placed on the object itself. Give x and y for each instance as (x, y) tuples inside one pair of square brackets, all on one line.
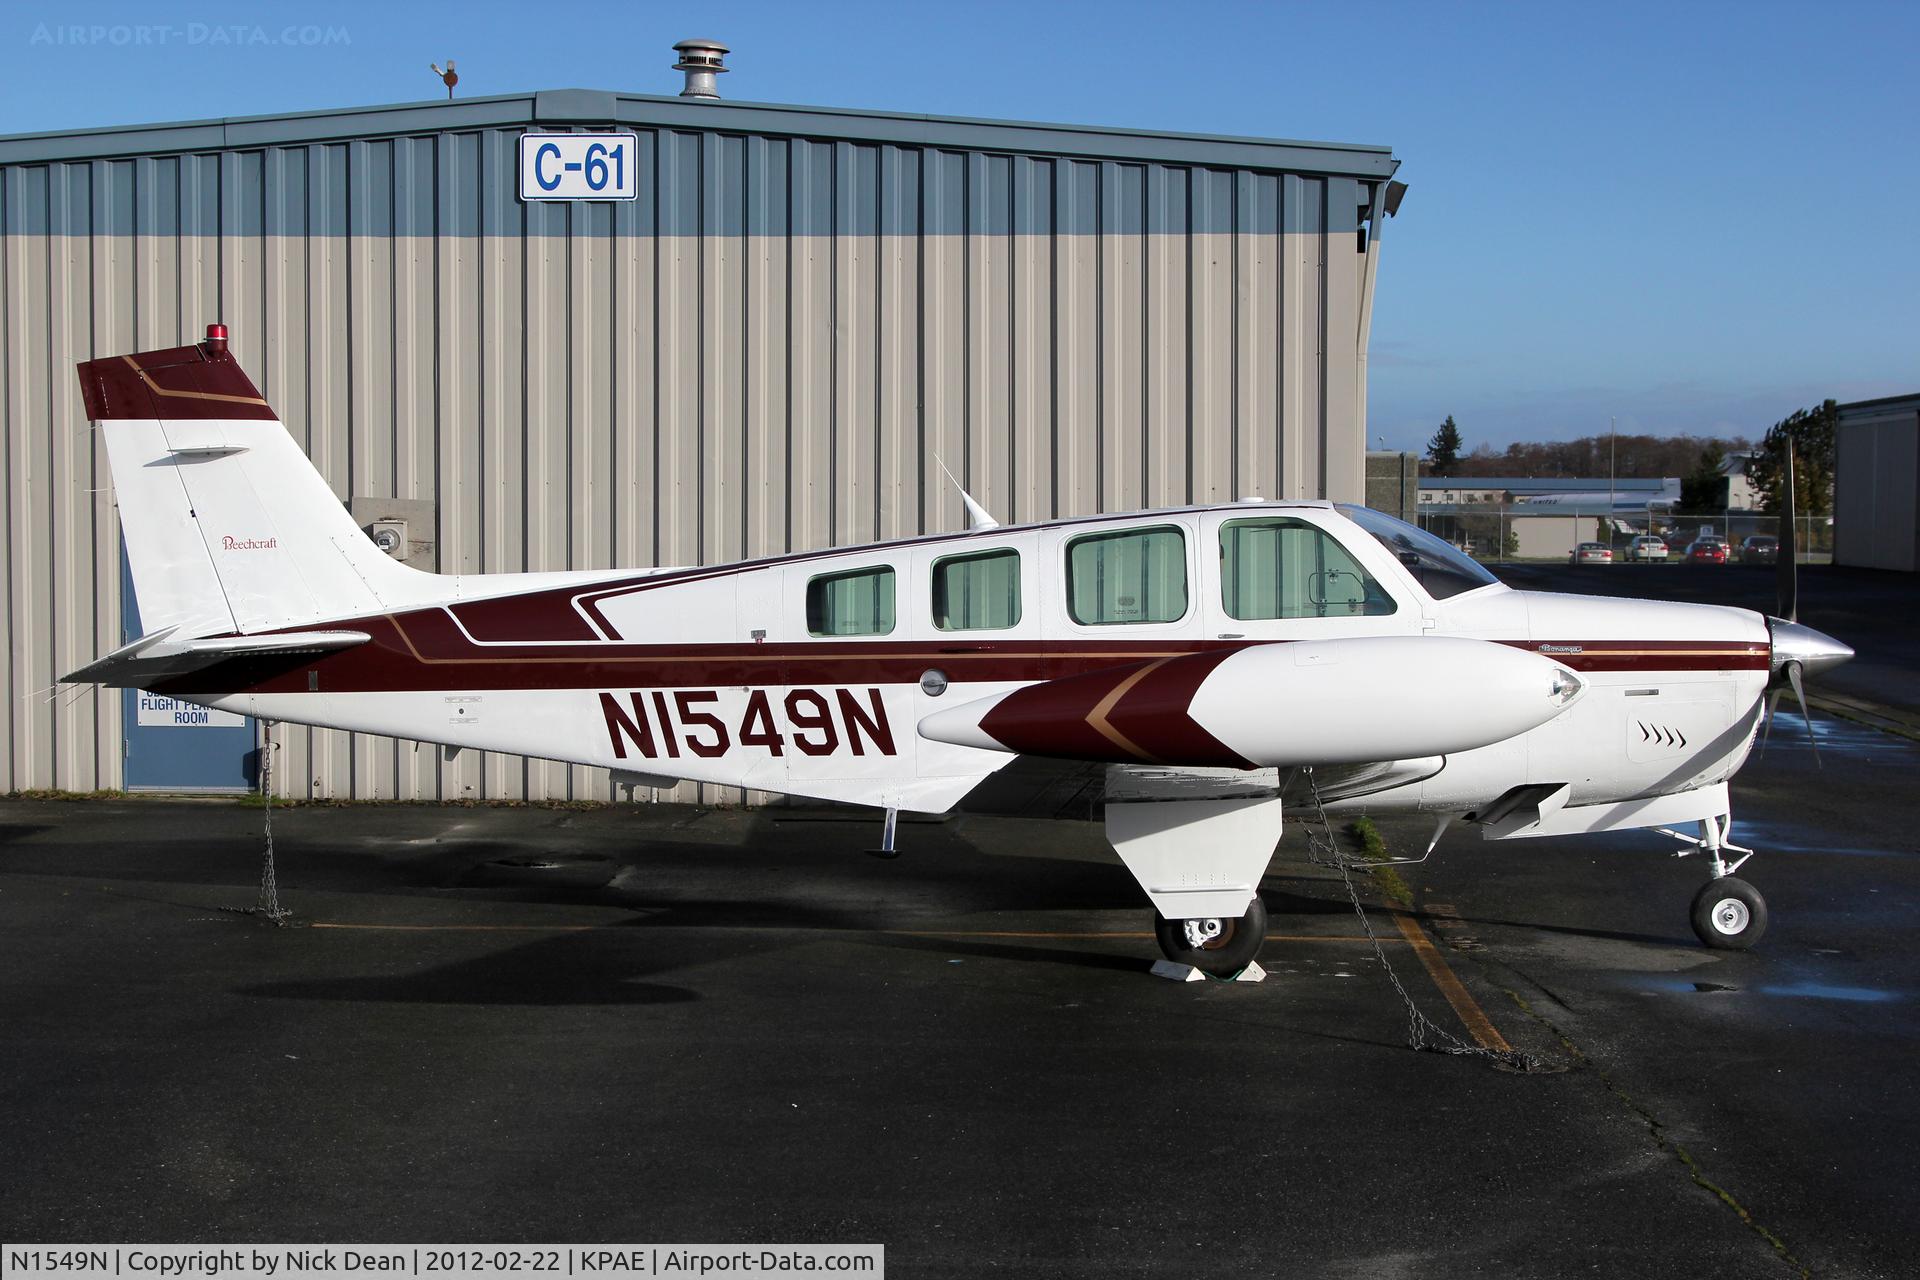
[(152, 657)]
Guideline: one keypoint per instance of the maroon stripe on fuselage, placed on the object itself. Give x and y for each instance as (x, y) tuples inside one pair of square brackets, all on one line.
[(426, 650), (506, 619), (1652, 655)]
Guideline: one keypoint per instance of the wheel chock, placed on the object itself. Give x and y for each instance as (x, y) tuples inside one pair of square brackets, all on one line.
[(1174, 972)]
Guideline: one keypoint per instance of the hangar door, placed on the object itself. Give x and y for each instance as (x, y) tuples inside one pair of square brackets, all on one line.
[(173, 745)]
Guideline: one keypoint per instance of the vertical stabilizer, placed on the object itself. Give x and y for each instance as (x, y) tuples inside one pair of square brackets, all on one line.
[(228, 526)]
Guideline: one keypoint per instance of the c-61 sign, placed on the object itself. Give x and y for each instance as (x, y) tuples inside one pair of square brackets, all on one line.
[(579, 166)]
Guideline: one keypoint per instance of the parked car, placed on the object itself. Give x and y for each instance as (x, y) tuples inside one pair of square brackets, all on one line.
[(1760, 549), (1591, 553), (1647, 547), (1707, 551)]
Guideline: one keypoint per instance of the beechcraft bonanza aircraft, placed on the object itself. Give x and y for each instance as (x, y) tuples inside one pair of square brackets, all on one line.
[(1207, 666)]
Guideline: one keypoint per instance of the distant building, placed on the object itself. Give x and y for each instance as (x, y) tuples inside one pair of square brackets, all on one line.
[(1738, 472), (1543, 517), (1446, 491), (1393, 483), (1876, 484)]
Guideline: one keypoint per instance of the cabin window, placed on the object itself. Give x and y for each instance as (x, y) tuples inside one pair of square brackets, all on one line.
[(1286, 568), (857, 603), (1135, 575), (977, 592)]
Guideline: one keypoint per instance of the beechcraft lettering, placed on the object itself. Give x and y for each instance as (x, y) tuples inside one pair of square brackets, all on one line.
[(663, 723), (1187, 674)]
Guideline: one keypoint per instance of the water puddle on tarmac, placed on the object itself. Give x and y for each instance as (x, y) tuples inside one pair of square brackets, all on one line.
[(1822, 991), (1841, 739), (1780, 837), (1661, 984)]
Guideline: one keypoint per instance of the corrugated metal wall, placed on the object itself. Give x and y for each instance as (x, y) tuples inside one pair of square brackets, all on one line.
[(765, 352), (1876, 484)]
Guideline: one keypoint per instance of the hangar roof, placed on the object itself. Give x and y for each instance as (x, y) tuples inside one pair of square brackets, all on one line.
[(569, 107), (1543, 484), (1906, 403)]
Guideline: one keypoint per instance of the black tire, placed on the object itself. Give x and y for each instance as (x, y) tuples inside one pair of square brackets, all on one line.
[(1729, 914), (1222, 956)]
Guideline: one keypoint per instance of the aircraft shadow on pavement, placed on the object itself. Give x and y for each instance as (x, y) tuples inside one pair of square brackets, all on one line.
[(583, 968), (1021, 952)]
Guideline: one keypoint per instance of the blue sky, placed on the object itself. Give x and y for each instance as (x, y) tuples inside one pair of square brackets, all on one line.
[(1696, 217)]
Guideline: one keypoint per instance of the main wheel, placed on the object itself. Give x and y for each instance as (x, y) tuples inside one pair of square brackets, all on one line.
[(1729, 914), (1215, 945)]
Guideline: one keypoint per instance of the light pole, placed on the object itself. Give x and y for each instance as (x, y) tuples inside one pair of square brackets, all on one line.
[(1610, 480)]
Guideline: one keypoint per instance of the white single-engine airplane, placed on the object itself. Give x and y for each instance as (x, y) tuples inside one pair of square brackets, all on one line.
[(1204, 667)]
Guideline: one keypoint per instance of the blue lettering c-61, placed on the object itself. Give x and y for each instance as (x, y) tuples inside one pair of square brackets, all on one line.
[(540, 155)]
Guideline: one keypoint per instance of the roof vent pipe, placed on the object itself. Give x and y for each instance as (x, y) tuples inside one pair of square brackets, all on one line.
[(701, 60)]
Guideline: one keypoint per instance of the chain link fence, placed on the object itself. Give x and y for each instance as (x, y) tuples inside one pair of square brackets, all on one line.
[(1517, 532)]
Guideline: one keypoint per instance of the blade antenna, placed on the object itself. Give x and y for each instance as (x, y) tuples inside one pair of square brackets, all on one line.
[(978, 517)]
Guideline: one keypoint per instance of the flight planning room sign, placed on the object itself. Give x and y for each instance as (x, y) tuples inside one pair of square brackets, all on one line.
[(157, 711), (579, 166)]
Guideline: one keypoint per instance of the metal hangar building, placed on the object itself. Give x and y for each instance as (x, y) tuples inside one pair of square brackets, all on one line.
[(1876, 484), (773, 345)]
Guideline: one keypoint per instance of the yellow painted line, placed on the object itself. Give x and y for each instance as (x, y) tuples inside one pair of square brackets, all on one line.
[(1014, 933), (1477, 1023), (462, 928), (900, 933)]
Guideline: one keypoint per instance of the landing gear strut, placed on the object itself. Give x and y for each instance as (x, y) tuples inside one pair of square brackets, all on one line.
[(1728, 913), (1220, 947)]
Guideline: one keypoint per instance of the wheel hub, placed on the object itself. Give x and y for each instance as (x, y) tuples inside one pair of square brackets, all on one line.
[(1730, 916), (1201, 932)]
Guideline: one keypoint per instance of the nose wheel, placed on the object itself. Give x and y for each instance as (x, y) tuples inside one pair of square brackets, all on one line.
[(1215, 945), (1729, 914)]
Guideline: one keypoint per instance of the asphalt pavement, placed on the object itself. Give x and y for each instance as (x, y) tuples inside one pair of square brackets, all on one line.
[(673, 1024)]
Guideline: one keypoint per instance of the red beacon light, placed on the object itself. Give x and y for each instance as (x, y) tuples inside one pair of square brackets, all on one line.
[(216, 339)]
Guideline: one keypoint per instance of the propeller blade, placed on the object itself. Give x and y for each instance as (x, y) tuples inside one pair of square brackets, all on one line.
[(1766, 725), (1786, 568), (1806, 712)]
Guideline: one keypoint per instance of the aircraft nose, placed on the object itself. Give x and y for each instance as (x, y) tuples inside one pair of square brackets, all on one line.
[(1815, 651)]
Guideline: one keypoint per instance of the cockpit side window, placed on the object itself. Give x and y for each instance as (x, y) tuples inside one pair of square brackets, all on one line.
[(1280, 567), (1440, 568)]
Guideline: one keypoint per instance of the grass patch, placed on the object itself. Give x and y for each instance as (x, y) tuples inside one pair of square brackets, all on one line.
[(54, 793), (1373, 847)]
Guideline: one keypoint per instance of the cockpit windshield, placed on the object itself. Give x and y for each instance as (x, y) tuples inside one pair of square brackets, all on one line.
[(1443, 569)]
